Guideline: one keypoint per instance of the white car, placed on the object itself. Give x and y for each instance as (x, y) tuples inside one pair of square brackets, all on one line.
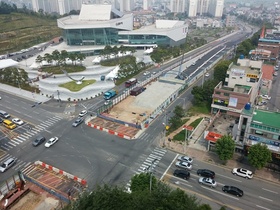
[(51, 142), (207, 181), (146, 73), (17, 121), (184, 165), (107, 102), (266, 97), (185, 158), (83, 113), (243, 173), (207, 75)]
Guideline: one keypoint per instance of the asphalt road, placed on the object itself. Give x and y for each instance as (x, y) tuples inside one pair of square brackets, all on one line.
[(258, 194)]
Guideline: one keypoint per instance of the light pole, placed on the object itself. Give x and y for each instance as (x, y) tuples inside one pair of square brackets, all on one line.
[(186, 142)]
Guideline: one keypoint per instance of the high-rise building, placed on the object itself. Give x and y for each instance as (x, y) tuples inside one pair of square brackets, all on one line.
[(192, 8), (126, 5), (177, 5), (202, 7), (145, 4), (216, 8)]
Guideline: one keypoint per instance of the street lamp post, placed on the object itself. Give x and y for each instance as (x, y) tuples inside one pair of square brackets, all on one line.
[(186, 142)]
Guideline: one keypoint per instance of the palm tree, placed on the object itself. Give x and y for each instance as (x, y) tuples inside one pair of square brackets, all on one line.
[(63, 55), (39, 59), (56, 56), (48, 57)]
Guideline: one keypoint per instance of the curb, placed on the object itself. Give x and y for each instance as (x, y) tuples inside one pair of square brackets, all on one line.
[(59, 171), (109, 131)]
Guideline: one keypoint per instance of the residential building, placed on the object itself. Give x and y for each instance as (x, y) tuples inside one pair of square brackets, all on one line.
[(216, 8), (145, 4), (202, 7), (192, 8), (230, 21), (177, 6), (259, 126), (241, 86)]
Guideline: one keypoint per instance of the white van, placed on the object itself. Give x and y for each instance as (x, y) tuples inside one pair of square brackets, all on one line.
[(7, 164)]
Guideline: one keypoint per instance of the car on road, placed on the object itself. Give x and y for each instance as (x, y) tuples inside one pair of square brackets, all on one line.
[(233, 190), (207, 181), (107, 102), (266, 97), (243, 173), (185, 158), (77, 122), (194, 63), (182, 174), (39, 140), (51, 141), (146, 73), (4, 114), (17, 121), (1, 120), (184, 165), (7, 164), (154, 73), (207, 75), (206, 173), (83, 113), (275, 74)]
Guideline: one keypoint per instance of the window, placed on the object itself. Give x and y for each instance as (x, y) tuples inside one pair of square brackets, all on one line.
[(218, 93), (226, 94)]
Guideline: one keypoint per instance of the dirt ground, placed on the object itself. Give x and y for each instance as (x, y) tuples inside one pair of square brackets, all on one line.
[(34, 201), (127, 112)]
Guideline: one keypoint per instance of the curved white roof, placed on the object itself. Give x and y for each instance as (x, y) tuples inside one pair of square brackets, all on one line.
[(7, 63)]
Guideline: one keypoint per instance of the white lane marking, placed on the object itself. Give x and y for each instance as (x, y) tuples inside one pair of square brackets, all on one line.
[(265, 198), (263, 207), (7, 145), (169, 167), (12, 143), (224, 194), (229, 178), (270, 191)]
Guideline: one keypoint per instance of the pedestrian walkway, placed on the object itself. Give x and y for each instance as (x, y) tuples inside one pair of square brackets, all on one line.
[(23, 93), (19, 163), (29, 133), (149, 164)]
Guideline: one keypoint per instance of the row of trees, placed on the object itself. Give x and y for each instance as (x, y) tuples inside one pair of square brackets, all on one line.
[(161, 196), (258, 155), (61, 57), (108, 50)]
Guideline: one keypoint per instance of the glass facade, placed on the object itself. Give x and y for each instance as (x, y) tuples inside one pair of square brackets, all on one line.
[(139, 39), (94, 36)]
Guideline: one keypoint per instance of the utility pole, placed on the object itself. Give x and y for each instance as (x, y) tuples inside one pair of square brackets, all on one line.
[(59, 100)]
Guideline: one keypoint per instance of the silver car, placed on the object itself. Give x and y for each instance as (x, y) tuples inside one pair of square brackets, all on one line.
[(77, 122), (184, 165), (185, 158), (207, 181)]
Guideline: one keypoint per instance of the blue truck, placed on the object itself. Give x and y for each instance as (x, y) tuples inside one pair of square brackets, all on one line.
[(110, 94)]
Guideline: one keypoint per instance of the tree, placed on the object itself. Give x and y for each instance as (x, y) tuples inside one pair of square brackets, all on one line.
[(225, 148), (259, 155), (141, 182), (179, 111), (220, 70)]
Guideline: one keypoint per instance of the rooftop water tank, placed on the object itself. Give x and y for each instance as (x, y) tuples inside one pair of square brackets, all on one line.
[(241, 56), (247, 106)]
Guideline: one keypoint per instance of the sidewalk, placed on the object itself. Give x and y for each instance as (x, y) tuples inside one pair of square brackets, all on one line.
[(23, 93), (197, 149)]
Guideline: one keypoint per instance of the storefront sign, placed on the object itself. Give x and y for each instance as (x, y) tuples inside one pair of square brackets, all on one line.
[(252, 76), (264, 140)]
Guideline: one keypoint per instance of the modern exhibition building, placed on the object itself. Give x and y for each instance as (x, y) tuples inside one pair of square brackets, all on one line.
[(101, 25)]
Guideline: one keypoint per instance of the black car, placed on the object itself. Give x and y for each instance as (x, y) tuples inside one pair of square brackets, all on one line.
[(182, 174), (206, 173), (39, 140), (233, 190), (1, 120)]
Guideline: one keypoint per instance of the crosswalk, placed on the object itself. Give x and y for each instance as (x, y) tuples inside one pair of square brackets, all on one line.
[(19, 163), (145, 137), (150, 163), (30, 133)]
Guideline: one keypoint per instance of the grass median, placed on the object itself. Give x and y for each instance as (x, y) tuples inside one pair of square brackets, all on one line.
[(74, 87)]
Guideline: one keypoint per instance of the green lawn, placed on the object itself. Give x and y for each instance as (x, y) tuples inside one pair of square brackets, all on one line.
[(72, 86), (58, 69), (203, 109)]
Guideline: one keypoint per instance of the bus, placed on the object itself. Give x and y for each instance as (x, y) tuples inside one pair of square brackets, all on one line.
[(130, 82)]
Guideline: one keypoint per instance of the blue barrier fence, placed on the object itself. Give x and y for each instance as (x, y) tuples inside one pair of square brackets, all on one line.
[(59, 196)]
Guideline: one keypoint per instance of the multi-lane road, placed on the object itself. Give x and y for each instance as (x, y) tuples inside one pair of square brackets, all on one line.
[(103, 158)]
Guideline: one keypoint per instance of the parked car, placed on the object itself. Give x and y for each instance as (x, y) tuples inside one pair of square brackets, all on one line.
[(4, 114), (39, 140), (77, 122), (182, 174), (107, 102), (233, 190), (207, 181), (206, 173), (51, 141), (17, 121), (207, 75), (83, 113), (275, 74), (243, 173), (185, 158), (7, 164), (146, 73), (184, 165), (266, 97)]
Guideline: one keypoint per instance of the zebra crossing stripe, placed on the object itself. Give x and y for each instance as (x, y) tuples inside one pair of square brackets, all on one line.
[(7, 145), (42, 127), (17, 140), (57, 117), (26, 135), (4, 157), (21, 137), (46, 124), (5, 148), (155, 156), (158, 153), (160, 150), (12, 144)]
